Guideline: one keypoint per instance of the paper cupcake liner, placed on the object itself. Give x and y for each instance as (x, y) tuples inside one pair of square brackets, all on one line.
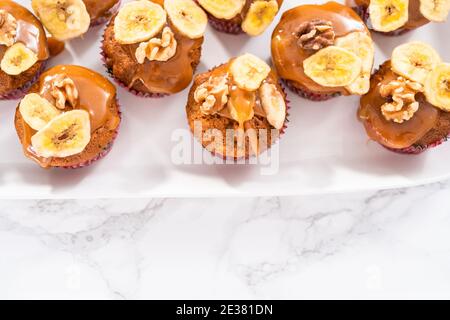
[(282, 132), (21, 92), (307, 94), (104, 152), (226, 26), (363, 12), (111, 12), (418, 149), (123, 85)]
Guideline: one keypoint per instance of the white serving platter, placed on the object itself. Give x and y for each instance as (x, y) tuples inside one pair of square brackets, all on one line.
[(325, 149)]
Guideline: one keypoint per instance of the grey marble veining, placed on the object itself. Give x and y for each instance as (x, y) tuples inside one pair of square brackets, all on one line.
[(385, 244)]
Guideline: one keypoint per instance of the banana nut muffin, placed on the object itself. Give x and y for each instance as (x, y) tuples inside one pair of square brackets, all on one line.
[(23, 49), (153, 47), (407, 109), (323, 51), (239, 109), (69, 119)]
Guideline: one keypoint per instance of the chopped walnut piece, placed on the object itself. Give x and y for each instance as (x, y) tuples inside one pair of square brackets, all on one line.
[(403, 94), (158, 49), (212, 95), (315, 34), (8, 28), (63, 89)]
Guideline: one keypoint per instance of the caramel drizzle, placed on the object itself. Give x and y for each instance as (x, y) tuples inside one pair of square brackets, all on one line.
[(288, 57), (240, 95), (29, 30), (246, 103), (96, 96)]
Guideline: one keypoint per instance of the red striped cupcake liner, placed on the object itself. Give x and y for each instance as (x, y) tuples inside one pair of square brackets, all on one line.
[(307, 94), (21, 92)]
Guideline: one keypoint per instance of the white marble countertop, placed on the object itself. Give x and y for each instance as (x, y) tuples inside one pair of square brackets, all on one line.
[(385, 244)]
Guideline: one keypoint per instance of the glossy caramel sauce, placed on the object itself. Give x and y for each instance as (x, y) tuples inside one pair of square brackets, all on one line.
[(170, 76), (29, 30), (415, 18), (245, 102), (388, 133), (55, 46), (99, 8), (96, 96), (288, 56), (244, 109)]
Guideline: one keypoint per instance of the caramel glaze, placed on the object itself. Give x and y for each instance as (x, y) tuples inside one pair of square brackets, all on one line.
[(96, 95), (170, 76), (245, 100), (55, 46), (99, 8), (166, 77), (248, 111), (288, 56), (29, 30), (415, 18), (388, 133)]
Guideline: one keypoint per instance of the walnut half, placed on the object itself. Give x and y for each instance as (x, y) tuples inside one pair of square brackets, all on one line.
[(212, 95), (8, 28), (158, 49), (403, 94), (63, 89), (315, 34)]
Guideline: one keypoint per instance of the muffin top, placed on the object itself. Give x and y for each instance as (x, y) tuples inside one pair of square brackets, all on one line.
[(22, 39), (157, 41), (390, 15), (408, 97), (240, 95), (326, 48), (62, 112), (254, 16)]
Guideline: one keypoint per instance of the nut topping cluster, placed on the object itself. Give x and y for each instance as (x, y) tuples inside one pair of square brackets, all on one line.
[(158, 49), (315, 34), (212, 95), (403, 94), (8, 28), (63, 89)]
